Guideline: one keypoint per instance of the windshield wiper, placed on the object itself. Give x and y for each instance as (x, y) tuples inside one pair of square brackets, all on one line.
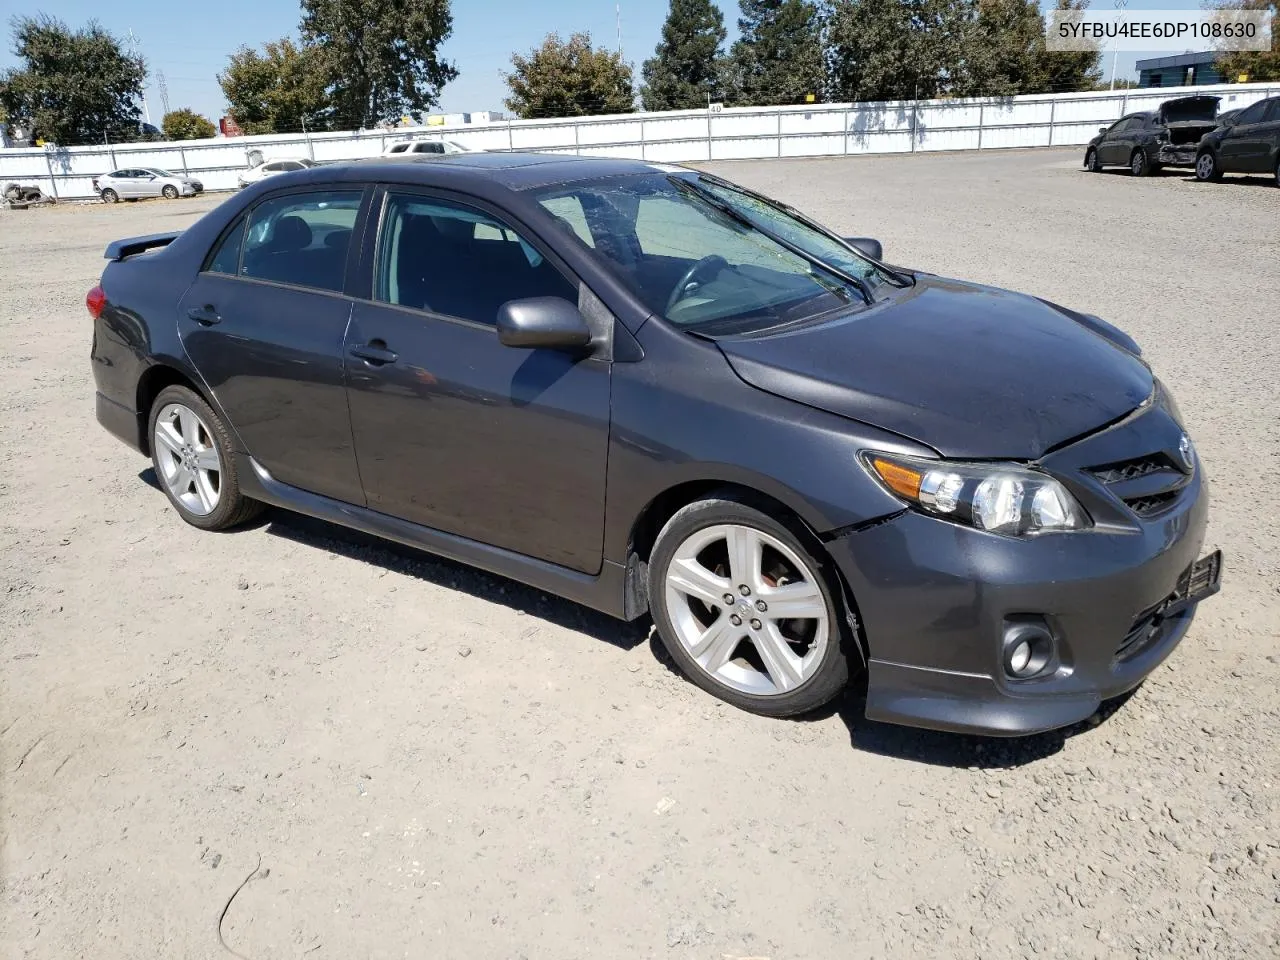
[(903, 279), (715, 202)]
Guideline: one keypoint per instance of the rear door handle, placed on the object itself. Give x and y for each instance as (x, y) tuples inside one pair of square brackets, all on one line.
[(374, 353), (206, 316)]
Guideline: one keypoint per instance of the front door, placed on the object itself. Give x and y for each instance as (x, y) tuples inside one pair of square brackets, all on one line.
[(264, 324), (453, 430), (1242, 149)]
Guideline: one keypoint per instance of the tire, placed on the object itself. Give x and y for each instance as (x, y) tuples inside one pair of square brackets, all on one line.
[(1139, 166), (1091, 161), (1208, 168), (1277, 177), (763, 663), (110, 196), (170, 192), (196, 435)]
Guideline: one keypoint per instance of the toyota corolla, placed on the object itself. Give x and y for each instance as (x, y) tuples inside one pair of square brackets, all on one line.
[(653, 392)]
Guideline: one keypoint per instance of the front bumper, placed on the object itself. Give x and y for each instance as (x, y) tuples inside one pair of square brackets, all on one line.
[(934, 599)]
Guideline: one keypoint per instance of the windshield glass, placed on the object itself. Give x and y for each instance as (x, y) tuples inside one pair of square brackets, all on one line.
[(693, 251), (158, 172)]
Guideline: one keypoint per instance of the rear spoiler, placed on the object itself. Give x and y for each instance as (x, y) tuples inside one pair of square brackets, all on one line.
[(119, 249)]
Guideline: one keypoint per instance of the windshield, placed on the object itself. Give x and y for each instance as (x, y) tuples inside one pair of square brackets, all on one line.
[(707, 256), (158, 172)]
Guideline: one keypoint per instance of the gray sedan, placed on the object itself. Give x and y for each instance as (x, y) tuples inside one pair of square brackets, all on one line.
[(134, 182)]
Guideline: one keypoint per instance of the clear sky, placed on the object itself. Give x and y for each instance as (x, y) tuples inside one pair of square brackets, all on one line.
[(190, 43)]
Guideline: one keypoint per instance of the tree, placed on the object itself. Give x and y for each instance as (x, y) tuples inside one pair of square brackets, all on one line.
[(186, 124), (901, 49), (685, 70), (1074, 70), (381, 57), (281, 90), (778, 58), (1257, 65), (569, 79), (76, 86)]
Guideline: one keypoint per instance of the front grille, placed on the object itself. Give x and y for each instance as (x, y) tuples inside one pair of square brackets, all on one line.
[(1150, 506), (1146, 628), (1131, 469), (1148, 484)]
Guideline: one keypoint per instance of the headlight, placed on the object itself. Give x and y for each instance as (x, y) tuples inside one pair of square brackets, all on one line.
[(1002, 498)]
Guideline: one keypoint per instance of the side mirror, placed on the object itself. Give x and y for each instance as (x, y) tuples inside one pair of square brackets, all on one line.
[(548, 322), (1102, 129), (872, 248)]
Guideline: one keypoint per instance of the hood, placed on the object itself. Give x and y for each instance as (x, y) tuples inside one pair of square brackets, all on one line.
[(1198, 109), (971, 371)]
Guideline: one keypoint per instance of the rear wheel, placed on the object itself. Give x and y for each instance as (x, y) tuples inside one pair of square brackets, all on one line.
[(746, 610), (191, 451), (109, 196), (1207, 167), (170, 192), (1091, 161), (1138, 164)]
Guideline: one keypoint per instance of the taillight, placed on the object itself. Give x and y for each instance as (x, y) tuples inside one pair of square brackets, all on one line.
[(95, 300)]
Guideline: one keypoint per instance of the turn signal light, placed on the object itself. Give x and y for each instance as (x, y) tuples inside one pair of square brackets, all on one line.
[(901, 480), (95, 300)]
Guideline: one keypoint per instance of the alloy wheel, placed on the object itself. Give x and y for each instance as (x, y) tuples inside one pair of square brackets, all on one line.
[(748, 610), (1204, 166), (187, 459), (1138, 163)]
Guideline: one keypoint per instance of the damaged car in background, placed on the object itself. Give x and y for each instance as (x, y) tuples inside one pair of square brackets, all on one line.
[(1144, 142)]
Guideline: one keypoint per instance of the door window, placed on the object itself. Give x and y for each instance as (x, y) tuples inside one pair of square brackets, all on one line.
[(1253, 114), (428, 148), (226, 255), (455, 260), (301, 239), (1273, 116)]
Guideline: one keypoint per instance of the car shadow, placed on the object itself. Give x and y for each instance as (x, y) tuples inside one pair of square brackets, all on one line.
[(452, 575), (1240, 180)]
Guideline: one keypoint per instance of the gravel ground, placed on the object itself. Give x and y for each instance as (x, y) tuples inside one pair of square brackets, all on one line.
[(410, 758)]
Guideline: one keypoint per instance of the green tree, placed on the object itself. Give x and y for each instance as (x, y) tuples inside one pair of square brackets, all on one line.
[(186, 124), (1260, 66), (685, 70), (75, 86), (381, 57), (778, 58), (1070, 70), (569, 79), (280, 90)]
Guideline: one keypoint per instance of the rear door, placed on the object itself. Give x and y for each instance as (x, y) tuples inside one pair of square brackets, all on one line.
[(126, 182), (264, 324), (454, 430), (1111, 149)]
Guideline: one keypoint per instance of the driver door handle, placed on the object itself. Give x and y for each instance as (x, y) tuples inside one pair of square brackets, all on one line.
[(374, 353), (206, 316)]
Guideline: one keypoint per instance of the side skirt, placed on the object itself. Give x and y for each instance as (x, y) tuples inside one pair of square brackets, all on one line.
[(603, 592)]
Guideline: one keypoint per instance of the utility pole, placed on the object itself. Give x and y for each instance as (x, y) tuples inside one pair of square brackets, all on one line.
[(618, 13), (1115, 51), (133, 43)]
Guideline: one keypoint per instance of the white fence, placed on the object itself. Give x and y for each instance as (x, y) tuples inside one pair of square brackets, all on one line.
[(816, 130)]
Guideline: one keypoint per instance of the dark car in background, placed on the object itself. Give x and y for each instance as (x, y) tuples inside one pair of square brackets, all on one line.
[(1249, 142), (651, 391), (1144, 142)]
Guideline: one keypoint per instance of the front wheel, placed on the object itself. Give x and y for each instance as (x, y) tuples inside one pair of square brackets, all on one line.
[(1091, 161), (1139, 166), (109, 196), (191, 451), (746, 610), (1207, 167), (170, 192)]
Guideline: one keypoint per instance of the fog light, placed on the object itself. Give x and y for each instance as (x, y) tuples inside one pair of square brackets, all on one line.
[(1028, 649)]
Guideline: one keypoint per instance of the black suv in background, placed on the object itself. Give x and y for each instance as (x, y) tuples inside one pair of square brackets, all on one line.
[(1145, 142), (1248, 142)]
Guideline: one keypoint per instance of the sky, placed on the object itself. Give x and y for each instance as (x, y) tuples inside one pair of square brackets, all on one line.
[(190, 48)]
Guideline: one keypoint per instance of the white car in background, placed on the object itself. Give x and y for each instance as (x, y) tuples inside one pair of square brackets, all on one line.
[(270, 167), (425, 146), (133, 183)]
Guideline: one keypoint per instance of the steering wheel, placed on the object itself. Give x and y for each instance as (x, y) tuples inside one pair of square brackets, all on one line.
[(706, 269)]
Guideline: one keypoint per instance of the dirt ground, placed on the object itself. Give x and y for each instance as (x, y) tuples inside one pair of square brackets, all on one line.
[(412, 759)]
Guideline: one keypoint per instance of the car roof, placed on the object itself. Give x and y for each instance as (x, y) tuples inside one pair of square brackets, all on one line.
[(515, 171)]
